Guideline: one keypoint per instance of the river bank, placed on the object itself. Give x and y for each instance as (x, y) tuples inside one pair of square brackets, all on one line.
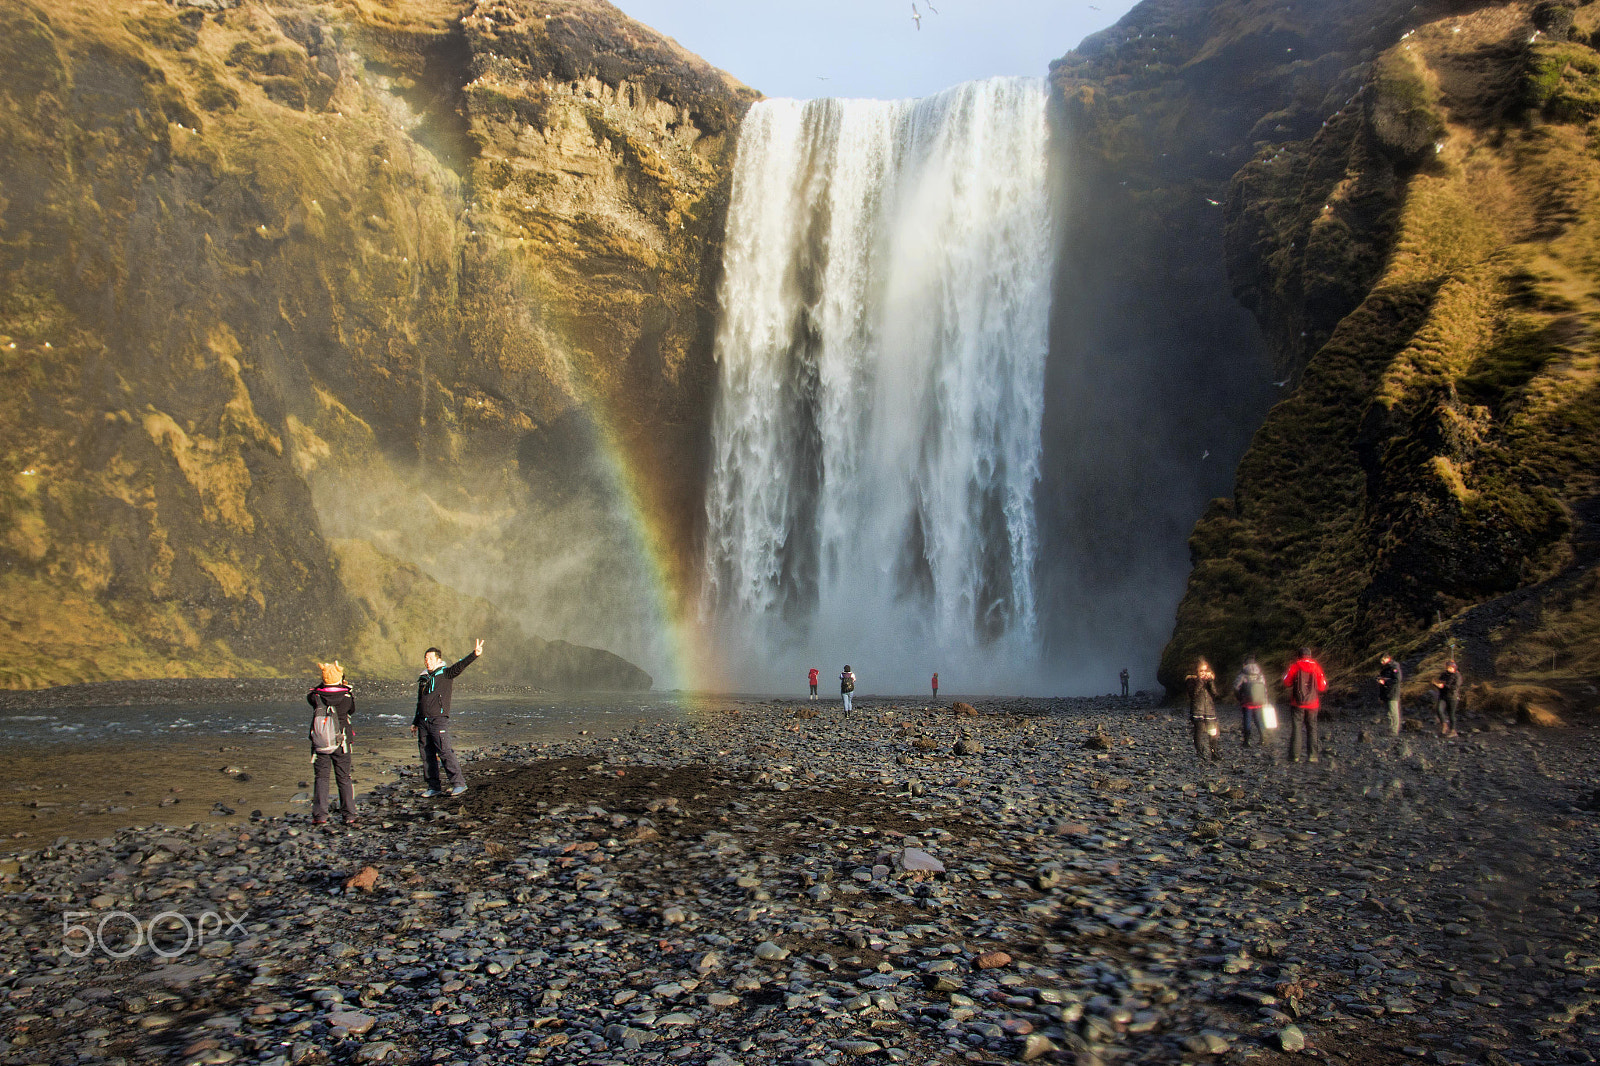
[(751, 886)]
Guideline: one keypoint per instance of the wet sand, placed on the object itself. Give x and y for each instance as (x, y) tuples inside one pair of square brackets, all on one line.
[(248, 760)]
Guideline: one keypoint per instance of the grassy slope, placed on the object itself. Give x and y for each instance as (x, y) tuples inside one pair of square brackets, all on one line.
[(1438, 452)]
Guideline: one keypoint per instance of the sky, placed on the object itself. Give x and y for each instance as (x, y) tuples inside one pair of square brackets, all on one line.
[(873, 48)]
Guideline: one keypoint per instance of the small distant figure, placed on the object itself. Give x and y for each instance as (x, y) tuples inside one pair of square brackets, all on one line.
[(433, 717), (1449, 686), (1306, 684), (332, 705), (1250, 689), (916, 16), (1124, 676), (1390, 677), (811, 678), (1203, 709), (935, 686), (847, 685)]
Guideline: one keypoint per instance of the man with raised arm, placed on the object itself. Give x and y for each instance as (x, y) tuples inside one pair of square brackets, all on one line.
[(433, 718)]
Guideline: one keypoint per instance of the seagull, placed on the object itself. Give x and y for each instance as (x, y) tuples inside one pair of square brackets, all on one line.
[(821, 78), (932, 8), (1205, 455), (1213, 203), (1282, 383), (916, 16)]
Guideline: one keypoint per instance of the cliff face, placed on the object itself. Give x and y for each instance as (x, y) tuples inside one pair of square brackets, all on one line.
[(1158, 377), (1424, 267), (281, 272)]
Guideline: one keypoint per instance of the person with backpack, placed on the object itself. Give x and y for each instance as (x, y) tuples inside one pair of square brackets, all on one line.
[(1390, 677), (1306, 684), (1449, 685), (332, 706), (812, 679), (1203, 694), (1250, 689), (434, 685), (935, 686), (1124, 679), (847, 685)]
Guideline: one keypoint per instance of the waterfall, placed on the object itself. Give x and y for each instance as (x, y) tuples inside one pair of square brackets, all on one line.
[(876, 440)]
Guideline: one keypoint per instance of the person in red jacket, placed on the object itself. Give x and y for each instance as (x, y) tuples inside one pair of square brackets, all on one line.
[(812, 679), (1306, 684)]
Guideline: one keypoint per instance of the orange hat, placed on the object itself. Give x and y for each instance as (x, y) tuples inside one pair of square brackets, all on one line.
[(332, 673)]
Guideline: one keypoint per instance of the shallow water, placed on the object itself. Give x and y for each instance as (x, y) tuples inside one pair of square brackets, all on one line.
[(85, 771)]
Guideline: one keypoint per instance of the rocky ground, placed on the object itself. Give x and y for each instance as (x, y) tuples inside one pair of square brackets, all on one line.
[(1035, 879)]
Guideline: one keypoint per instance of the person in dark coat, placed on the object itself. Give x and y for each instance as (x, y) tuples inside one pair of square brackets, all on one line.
[(1124, 678), (1390, 678), (1449, 685), (1203, 709), (434, 685), (1250, 689), (335, 694)]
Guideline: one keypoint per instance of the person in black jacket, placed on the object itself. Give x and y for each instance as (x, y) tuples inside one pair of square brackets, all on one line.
[(433, 718), (1390, 677), (335, 694), (1203, 709), (1449, 686)]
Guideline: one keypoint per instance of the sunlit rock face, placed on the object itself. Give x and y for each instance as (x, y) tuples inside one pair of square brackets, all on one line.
[(276, 274)]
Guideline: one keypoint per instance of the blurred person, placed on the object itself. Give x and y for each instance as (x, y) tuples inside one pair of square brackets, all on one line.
[(1203, 709), (1305, 683), (1449, 685), (1124, 680), (434, 685), (847, 685), (936, 686), (1250, 689), (1390, 678), (812, 679)]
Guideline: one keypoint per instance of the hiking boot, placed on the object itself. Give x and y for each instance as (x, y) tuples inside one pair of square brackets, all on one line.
[(1311, 758), (459, 790), (430, 793)]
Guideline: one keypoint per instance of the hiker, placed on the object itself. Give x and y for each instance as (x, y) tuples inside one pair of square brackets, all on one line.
[(1390, 677), (1203, 709), (332, 705), (812, 678), (935, 686), (1124, 680), (847, 685), (1306, 684), (1449, 686), (433, 716), (1250, 689)]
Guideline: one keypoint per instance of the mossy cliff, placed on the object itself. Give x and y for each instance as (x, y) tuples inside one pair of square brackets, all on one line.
[(267, 269), (1158, 376), (1425, 266)]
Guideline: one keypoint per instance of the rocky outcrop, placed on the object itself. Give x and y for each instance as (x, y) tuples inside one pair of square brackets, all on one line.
[(1423, 265), (1158, 377), (277, 273)]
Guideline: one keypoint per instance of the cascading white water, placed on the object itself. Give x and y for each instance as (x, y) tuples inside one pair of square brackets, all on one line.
[(876, 441)]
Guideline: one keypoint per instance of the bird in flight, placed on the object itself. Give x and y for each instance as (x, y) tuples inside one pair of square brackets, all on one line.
[(932, 8), (1213, 203), (916, 16), (1282, 383), (1205, 455)]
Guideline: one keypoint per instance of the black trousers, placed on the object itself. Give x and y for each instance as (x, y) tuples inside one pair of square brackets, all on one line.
[(1448, 705), (1303, 729), (335, 765), (433, 738), (1205, 741)]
